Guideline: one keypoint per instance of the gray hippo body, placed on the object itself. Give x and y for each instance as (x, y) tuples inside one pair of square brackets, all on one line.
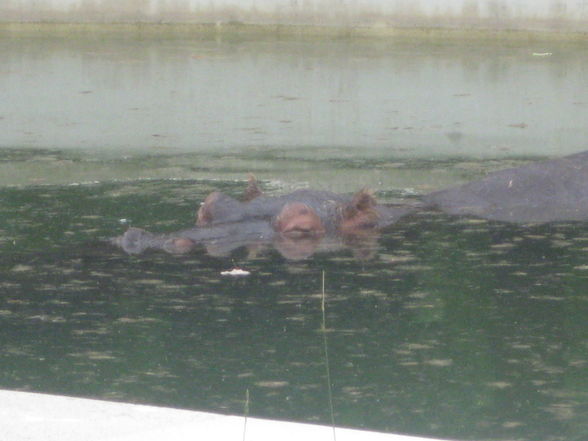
[(548, 191)]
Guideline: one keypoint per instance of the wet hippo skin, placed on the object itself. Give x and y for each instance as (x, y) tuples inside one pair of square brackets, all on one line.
[(255, 236), (334, 212), (137, 240), (296, 224), (548, 191)]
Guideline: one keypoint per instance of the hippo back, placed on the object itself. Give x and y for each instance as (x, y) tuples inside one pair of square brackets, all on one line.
[(554, 190)]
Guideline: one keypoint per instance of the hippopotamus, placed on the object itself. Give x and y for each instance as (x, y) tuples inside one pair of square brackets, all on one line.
[(548, 191), (302, 211), (296, 224), (256, 236)]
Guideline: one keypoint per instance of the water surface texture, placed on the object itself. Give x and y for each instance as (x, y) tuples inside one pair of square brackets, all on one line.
[(444, 327), (157, 92)]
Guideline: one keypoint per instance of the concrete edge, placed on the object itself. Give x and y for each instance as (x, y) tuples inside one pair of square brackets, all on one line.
[(36, 416), (245, 30)]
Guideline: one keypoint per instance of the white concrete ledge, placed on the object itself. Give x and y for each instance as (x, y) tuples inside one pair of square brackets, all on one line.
[(32, 416)]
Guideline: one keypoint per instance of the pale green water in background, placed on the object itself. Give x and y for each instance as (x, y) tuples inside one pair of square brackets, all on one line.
[(125, 93), (453, 328)]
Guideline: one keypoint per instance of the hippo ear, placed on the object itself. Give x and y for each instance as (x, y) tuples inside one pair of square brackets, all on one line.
[(252, 191), (360, 212), (217, 208), (205, 214), (364, 200)]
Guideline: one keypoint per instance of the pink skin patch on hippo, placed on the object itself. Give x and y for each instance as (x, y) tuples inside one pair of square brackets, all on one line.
[(298, 220), (179, 245)]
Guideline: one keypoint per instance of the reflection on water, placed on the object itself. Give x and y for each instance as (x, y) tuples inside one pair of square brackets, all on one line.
[(456, 328), (160, 93)]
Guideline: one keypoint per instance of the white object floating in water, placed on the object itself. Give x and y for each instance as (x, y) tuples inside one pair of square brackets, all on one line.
[(123, 221), (542, 54), (235, 272)]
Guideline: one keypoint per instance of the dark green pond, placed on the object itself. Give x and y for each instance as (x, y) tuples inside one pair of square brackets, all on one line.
[(453, 328)]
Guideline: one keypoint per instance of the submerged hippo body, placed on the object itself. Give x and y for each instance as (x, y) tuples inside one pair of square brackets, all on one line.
[(254, 236), (231, 236), (549, 191)]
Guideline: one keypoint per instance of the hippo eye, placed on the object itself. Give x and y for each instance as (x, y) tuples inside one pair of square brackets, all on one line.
[(298, 229), (299, 233)]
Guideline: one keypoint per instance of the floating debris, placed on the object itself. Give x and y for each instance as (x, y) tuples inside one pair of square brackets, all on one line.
[(235, 272), (22, 268), (519, 125), (272, 384)]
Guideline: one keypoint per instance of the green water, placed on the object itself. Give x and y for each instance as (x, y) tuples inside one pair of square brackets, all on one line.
[(453, 328), (443, 327)]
